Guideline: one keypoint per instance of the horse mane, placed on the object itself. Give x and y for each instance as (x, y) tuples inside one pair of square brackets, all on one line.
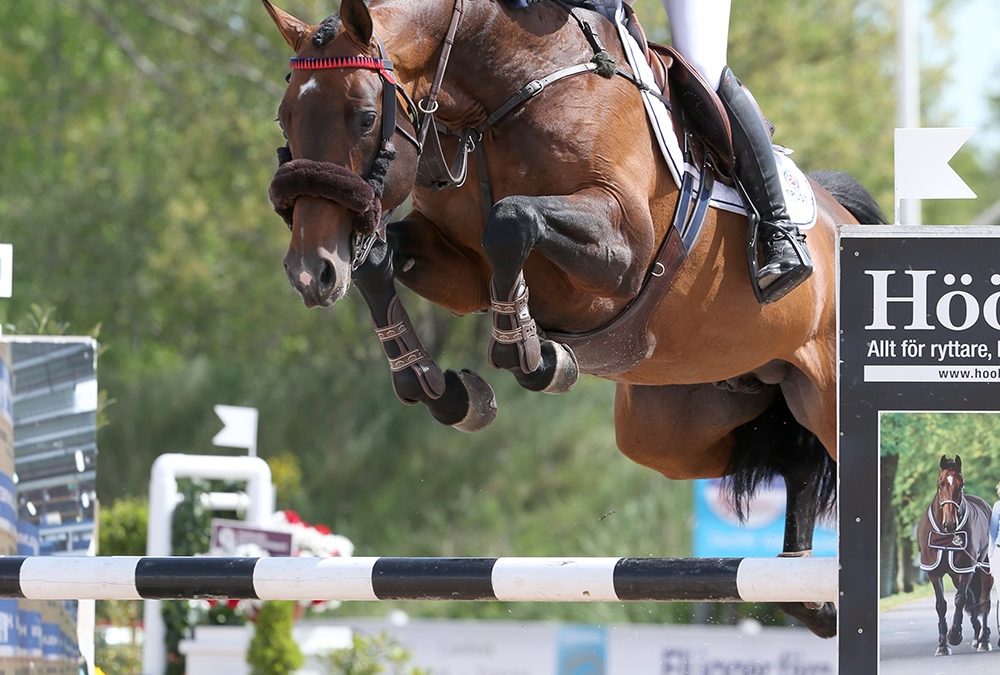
[(328, 28)]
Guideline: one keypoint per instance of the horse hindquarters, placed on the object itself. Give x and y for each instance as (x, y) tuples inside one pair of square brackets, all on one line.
[(701, 431)]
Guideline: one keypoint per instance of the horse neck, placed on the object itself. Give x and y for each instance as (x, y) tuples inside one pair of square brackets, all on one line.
[(494, 55)]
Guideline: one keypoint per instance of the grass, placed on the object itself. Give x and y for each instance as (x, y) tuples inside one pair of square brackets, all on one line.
[(894, 601)]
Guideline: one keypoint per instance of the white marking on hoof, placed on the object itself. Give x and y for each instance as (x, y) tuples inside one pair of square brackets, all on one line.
[(310, 85)]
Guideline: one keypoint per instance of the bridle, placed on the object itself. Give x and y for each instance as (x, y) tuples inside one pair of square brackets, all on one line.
[(420, 117), (960, 507), (427, 131)]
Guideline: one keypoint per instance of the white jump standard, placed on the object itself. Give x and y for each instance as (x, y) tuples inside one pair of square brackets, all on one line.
[(385, 578)]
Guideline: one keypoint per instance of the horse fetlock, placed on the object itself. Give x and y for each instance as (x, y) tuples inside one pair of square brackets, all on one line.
[(482, 403), (943, 650)]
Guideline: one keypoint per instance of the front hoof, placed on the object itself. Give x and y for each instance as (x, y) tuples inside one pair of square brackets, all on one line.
[(566, 371), (984, 647), (943, 650), (482, 408), (955, 637)]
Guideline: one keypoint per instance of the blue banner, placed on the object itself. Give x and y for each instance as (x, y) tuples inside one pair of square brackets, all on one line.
[(718, 533), (581, 650)]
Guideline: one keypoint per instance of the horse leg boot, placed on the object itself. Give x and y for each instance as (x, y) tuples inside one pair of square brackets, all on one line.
[(785, 261), (577, 233), (459, 399)]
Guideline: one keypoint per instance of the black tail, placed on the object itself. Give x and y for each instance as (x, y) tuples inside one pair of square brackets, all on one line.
[(851, 195), (775, 444)]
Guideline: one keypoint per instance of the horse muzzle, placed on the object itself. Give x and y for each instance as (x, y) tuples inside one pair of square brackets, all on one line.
[(321, 279)]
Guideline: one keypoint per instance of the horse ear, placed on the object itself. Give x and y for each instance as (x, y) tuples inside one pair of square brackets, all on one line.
[(958, 463), (944, 458), (357, 20), (295, 31)]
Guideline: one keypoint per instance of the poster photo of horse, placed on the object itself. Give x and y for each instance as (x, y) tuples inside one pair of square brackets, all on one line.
[(940, 474)]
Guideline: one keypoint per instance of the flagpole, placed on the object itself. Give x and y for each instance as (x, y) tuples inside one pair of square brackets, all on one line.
[(908, 91)]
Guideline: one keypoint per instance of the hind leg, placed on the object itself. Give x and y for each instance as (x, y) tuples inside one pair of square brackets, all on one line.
[(693, 432)]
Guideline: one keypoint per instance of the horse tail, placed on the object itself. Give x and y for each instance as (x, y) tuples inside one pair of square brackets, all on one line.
[(851, 195), (775, 444)]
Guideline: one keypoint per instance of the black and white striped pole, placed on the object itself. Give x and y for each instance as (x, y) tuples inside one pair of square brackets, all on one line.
[(384, 578)]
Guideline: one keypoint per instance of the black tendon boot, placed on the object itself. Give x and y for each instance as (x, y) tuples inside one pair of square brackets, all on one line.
[(784, 261)]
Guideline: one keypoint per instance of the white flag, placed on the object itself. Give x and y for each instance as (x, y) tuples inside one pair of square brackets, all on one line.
[(6, 270), (922, 157), (239, 428)]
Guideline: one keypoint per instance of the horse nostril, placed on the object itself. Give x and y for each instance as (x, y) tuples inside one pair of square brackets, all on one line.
[(326, 274)]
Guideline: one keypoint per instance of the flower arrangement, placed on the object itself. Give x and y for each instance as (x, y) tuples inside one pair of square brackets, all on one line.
[(308, 540)]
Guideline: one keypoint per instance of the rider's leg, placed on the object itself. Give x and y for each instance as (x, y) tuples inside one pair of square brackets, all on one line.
[(786, 262), (699, 30)]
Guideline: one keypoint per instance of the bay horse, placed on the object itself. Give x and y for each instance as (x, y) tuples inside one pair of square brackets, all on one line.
[(568, 198), (953, 537)]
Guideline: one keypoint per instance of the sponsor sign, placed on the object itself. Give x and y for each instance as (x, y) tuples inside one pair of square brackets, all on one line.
[(236, 538), (919, 332)]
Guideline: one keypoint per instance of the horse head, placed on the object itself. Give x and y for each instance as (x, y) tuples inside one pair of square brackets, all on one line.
[(350, 159), (950, 493)]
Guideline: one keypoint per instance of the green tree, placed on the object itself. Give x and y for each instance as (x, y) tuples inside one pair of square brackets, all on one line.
[(273, 651)]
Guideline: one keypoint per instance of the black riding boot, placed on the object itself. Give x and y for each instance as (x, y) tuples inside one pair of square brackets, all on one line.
[(784, 259)]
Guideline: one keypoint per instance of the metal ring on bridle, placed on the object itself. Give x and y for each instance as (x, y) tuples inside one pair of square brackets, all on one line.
[(434, 106)]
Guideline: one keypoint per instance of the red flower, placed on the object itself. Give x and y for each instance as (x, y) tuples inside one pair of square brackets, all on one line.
[(292, 517), (322, 529)]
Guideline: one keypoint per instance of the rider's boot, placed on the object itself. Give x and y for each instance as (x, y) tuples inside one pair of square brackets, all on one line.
[(785, 261)]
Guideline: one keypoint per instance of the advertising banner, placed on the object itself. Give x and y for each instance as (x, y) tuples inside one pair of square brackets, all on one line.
[(919, 367)]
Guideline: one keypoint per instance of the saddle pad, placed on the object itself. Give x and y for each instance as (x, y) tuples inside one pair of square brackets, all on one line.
[(799, 198)]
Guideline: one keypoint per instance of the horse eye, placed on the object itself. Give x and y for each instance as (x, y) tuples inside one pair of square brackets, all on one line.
[(367, 119)]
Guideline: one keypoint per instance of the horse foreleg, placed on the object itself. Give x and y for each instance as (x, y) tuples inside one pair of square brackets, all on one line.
[(961, 597), (460, 399), (941, 605), (579, 234)]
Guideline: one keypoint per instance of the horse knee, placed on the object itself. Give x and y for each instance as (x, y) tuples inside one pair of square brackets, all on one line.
[(513, 227)]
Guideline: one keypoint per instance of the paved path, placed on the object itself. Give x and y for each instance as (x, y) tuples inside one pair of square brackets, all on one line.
[(909, 638)]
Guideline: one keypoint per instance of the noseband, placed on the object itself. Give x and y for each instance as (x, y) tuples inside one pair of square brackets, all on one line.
[(362, 195)]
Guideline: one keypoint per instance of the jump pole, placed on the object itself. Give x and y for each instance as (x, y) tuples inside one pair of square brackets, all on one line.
[(385, 578)]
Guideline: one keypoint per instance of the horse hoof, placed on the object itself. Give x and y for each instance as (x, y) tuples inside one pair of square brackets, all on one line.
[(566, 371), (482, 403), (984, 647), (955, 638), (821, 621), (943, 651)]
